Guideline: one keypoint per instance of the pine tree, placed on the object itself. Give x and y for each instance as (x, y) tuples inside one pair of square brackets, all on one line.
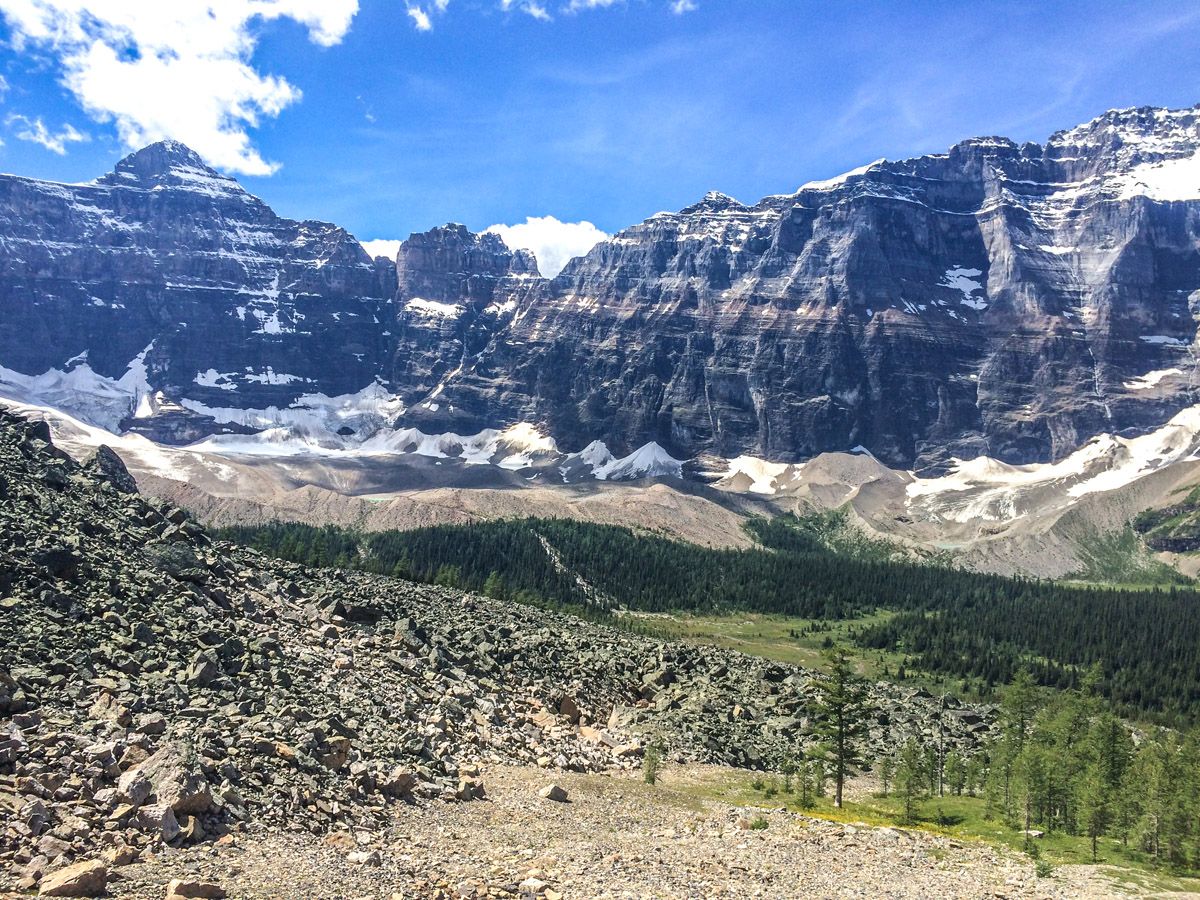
[(887, 770), (841, 712), (1018, 706), (1093, 800), (494, 586), (805, 778), (955, 772), (910, 780)]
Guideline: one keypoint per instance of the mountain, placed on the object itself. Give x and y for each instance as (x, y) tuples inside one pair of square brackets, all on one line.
[(1000, 299), (1005, 300), (165, 283)]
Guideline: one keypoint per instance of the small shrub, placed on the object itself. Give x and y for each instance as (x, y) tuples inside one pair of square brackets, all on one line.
[(651, 763), (759, 824), (757, 783)]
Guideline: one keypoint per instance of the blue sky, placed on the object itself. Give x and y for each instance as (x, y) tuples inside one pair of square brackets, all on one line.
[(607, 112)]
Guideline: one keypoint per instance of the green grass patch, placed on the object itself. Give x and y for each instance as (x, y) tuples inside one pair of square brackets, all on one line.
[(1121, 558), (797, 641), (961, 818)]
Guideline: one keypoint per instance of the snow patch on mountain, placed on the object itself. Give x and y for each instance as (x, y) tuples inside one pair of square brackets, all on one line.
[(986, 488), (965, 280), (1170, 180), (1162, 339), (648, 461), (829, 184), (79, 390), (311, 416), (762, 475), (433, 309), (1150, 379)]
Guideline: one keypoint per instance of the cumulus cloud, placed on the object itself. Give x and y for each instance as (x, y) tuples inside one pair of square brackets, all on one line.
[(36, 132), (554, 243), (176, 69), (381, 247), (679, 7)]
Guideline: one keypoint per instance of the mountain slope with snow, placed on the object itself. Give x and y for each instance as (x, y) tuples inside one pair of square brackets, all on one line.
[(999, 300)]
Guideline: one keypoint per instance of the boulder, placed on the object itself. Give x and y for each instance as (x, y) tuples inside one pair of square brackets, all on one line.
[(159, 820), (84, 879), (176, 781), (189, 889)]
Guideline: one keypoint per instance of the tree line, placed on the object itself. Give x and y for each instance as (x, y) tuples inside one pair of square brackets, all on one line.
[(1064, 762), (1145, 642)]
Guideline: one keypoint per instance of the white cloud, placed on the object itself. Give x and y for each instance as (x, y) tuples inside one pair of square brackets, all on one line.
[(420, 18), (530, 7), (176, 69), (554, 243), (576, 5), (35, 131), (540, 10), (381, 247)]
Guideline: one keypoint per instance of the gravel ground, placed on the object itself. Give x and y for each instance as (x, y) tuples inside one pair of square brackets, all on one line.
[(614, 838)]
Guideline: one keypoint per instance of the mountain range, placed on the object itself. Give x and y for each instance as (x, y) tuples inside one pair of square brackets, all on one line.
[(999, 299), (956, 318)]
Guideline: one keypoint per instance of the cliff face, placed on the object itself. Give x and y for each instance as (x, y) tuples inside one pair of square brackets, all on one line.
[(167, 266), (1000, 299), (996, 299), (456, 294)]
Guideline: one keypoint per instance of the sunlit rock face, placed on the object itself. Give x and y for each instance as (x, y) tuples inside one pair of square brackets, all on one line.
[(1000, 299), (167, 265)]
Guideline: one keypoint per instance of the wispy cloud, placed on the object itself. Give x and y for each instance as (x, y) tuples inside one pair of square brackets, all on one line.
[(422, 14), (420, 18), (36, 132), (180, 69)]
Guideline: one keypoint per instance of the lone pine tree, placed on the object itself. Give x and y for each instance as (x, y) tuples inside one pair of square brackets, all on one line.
[(841, 717)]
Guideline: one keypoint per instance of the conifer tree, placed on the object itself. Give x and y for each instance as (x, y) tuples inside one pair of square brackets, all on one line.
[(841, 713), (910, 780)]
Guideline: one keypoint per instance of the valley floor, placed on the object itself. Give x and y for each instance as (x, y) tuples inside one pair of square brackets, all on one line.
[(616, 837)]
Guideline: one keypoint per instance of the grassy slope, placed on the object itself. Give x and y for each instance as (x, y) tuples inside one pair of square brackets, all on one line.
[(1122, 559), (962, 818)]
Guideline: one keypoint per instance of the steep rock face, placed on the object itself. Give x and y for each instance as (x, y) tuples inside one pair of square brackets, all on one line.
[(456, 291), (171, 276), (1013, 300), (1000, 299)]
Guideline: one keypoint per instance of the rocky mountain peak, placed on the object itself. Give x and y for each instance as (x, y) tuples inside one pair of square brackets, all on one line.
[(1136, 134), (1000, 299), (169, 164), (454, 252), (713, 201)]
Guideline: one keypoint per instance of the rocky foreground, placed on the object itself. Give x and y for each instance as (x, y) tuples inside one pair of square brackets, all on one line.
[(160, 691), (612, 837)]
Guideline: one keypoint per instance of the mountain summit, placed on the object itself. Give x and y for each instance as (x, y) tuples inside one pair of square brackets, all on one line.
[(167, 163)]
